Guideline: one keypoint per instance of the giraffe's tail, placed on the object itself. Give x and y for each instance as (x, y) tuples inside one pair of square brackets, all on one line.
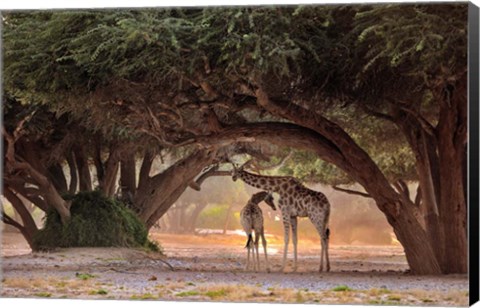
[(327, 233), (249, 241)]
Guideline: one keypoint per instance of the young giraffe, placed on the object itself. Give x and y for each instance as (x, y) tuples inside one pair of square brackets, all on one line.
[(251, 218), (295, 201)]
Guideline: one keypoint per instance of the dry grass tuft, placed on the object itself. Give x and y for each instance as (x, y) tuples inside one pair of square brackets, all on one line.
[(231, 292), (144, 296)]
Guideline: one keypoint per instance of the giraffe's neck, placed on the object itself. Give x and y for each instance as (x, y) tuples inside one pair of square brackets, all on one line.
[(269, 183)]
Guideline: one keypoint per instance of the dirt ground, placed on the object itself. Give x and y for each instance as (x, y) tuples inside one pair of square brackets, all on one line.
[(212, 268)]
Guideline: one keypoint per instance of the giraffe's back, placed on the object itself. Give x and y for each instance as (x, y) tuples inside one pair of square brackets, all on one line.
[(304, 201), (251, 217)]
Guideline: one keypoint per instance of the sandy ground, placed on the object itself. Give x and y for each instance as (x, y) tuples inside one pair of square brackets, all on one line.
[(212, 268)]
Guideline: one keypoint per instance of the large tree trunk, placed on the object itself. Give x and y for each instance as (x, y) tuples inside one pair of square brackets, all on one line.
[(72, 188), (107, 185), (158, 193), (128, 175), (440, 158), (452, 138), (84, 176), (29, 227), (57, 176), (424, 146)]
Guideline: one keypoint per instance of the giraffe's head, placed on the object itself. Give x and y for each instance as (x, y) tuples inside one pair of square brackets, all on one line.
[(269, 200), (235, 172), (264, 196), (238, 170)]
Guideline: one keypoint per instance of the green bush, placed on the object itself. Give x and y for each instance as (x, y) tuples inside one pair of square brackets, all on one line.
[(96, 221)]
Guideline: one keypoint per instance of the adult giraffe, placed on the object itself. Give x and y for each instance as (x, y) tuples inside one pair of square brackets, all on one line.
[(295, 201)]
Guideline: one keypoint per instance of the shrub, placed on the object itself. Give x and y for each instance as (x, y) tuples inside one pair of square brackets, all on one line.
[(96, 221)]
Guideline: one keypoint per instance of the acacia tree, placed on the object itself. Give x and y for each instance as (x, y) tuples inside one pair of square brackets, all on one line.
[(214, 78), (426, 56), (48, 158)]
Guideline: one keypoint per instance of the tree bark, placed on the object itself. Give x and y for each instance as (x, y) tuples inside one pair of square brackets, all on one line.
[(97, 159), (72, 188), (144, 175), (424, 147), (107, 185), (48, 190), (440, 160), (32, 194), (452, 139), (128, 175), (158, 193), (57, 177), (84, 176), (29, 227)]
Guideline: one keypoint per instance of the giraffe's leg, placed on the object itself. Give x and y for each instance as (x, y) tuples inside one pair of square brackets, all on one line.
[(286, 234), (264, 243), (322, 253), (324, 241), (327, 231), (293, 223), (318, 222), (257, 238), (248, 251)]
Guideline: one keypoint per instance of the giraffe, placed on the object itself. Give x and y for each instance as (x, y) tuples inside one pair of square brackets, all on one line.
[(295, 201), (251, 218)]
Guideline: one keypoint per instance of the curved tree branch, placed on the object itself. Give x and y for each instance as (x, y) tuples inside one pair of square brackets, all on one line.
[(29, 226), (30, 193), (421, 120), (351, 192), (282, 161), (196, 185), (10, 221), (377, 114)]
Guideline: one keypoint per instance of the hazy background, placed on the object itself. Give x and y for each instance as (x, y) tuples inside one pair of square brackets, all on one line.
[(216, 209), (354, 220)]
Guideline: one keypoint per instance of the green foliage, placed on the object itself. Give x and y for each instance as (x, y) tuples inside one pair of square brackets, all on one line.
[(98, 292), (341, 288), (43, 294), (395, 298), (216, 293), (96, 221), (403, 51), (413, 34), (87, 49), (309, 168), (84, 276), (153, 246), (143, 296), (215, 215), (187, 293)]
